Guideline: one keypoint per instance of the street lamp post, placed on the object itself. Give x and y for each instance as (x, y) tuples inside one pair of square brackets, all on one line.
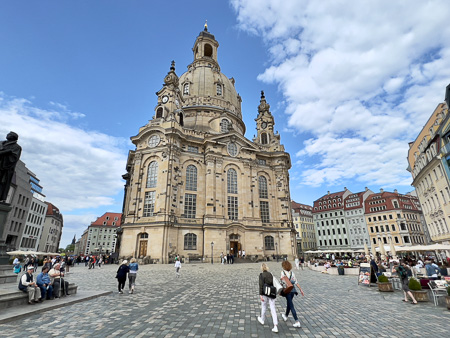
[(276, 249), (212, 252)]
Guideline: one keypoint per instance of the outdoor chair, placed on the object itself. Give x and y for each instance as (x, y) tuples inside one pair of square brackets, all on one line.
[(436, 292)]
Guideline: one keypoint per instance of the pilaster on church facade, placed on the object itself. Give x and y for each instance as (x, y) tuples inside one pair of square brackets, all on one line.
[(195, 179)]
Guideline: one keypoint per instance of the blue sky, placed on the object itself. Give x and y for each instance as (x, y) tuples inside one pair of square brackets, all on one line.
[(349, 84)]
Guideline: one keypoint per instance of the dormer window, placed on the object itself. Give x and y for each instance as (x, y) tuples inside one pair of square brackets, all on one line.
[(219, 89), (225, 126), (186, 89)]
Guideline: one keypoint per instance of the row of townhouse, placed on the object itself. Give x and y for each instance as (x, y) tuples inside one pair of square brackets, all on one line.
[(348, 221)]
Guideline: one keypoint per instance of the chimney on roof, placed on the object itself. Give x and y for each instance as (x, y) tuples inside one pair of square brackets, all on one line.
[(395, 191), (381, 190), (366, 188), (328, 192)]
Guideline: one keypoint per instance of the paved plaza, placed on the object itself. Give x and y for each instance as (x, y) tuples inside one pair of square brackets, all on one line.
[(222, 301)]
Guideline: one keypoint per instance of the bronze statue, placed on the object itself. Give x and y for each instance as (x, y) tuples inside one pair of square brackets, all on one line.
[(9, 155)]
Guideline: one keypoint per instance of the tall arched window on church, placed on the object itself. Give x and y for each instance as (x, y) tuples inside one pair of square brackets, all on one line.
[(224, 126), (269, 243), (191, 178), (190, 241), (159, 112), (186, 89), (263, 203), (232, 201), (152, 175), (181, 119), (262, 184), (219, 89), (264, 139)]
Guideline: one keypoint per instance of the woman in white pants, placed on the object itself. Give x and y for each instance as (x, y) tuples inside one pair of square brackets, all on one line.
[(266, 278)]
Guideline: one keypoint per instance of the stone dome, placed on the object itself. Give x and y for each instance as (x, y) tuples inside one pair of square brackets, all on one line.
[(204, 87)]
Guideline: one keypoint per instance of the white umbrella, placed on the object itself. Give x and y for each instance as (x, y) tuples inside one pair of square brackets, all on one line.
[(17, 252), (393, 252), (366, 249), (372, 249), (382, 251)]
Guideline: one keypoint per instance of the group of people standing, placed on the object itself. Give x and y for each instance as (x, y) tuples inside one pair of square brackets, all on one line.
[(267, 279)]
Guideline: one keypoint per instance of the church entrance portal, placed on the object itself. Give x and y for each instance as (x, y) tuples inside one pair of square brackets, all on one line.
[(235, 245)]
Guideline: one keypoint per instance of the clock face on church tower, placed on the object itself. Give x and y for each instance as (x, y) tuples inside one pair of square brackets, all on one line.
[(165, 98), (264, 125)]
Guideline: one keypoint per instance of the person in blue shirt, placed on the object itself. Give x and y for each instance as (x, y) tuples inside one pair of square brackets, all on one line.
[(45, 284), (134, 267)]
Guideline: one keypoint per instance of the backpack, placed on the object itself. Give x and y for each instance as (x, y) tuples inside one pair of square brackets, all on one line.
[(402, 272)]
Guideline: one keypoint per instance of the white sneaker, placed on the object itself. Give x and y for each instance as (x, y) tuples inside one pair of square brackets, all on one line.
[(260, 320), (275, 329), (120, 292), (297, 324), (284, 316), (130, 292)]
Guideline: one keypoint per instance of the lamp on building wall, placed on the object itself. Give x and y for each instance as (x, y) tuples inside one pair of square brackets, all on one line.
[(212, 252)]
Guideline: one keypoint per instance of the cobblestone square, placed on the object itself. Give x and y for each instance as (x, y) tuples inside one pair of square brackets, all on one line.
[(222, 301)]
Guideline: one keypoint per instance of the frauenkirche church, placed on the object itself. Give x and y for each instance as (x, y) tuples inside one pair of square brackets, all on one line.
[(194, 184)]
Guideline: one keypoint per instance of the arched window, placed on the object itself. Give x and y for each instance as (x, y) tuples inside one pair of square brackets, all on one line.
[(190, 242), (152, 175), (224, 126), (208, 51), (219, 89), (191, 178), (186, 89), (143, 235), (159, 112), (262, 183), (181, 117), (232, 181), (264, 138), (269, 243), (232, 201)]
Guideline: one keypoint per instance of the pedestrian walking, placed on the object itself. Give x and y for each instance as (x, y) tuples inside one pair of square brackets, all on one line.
[(122, 275), (287, 271), (177, 267), (100, 261), (297, 263), (402, 272), (266, 279), (134, 267)]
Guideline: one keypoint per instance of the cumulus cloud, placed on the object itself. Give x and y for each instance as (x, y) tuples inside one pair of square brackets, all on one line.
[(369, 73), (78, 168)]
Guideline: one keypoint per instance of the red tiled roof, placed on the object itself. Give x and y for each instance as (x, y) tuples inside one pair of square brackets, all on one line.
[(360, 195), (405, 202), (326, 198), (295, 205), (109, 218), (52, 210)]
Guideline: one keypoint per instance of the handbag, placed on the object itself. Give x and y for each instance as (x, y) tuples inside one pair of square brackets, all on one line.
[(287, 285), (277, 285), (270, 291)]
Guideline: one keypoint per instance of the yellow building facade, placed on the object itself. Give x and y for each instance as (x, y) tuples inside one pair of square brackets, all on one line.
[(428, 159), (195, 185)]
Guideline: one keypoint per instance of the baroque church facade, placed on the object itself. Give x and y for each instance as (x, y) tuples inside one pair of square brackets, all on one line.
[(195, 185)]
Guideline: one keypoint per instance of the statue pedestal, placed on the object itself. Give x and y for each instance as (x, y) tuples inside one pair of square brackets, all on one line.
[(4, 210)]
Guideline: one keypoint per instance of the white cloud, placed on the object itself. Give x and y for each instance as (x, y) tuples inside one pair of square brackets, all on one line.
[(369, 73), (78, 168)]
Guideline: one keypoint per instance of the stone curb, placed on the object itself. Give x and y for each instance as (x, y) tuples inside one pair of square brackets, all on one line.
[(18, 312)]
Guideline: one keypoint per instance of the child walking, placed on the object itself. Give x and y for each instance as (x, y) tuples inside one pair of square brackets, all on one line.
[(177, 267)]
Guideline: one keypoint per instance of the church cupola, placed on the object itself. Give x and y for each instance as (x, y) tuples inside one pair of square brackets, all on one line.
[(170, 99), (205, 48), (264, 125)]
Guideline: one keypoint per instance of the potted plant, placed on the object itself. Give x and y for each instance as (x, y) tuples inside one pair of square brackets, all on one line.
[(447, 298), (384, 285), (416, 289)]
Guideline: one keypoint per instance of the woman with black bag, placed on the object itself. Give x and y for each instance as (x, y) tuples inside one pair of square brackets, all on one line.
[(287, 272), (268, 294)]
